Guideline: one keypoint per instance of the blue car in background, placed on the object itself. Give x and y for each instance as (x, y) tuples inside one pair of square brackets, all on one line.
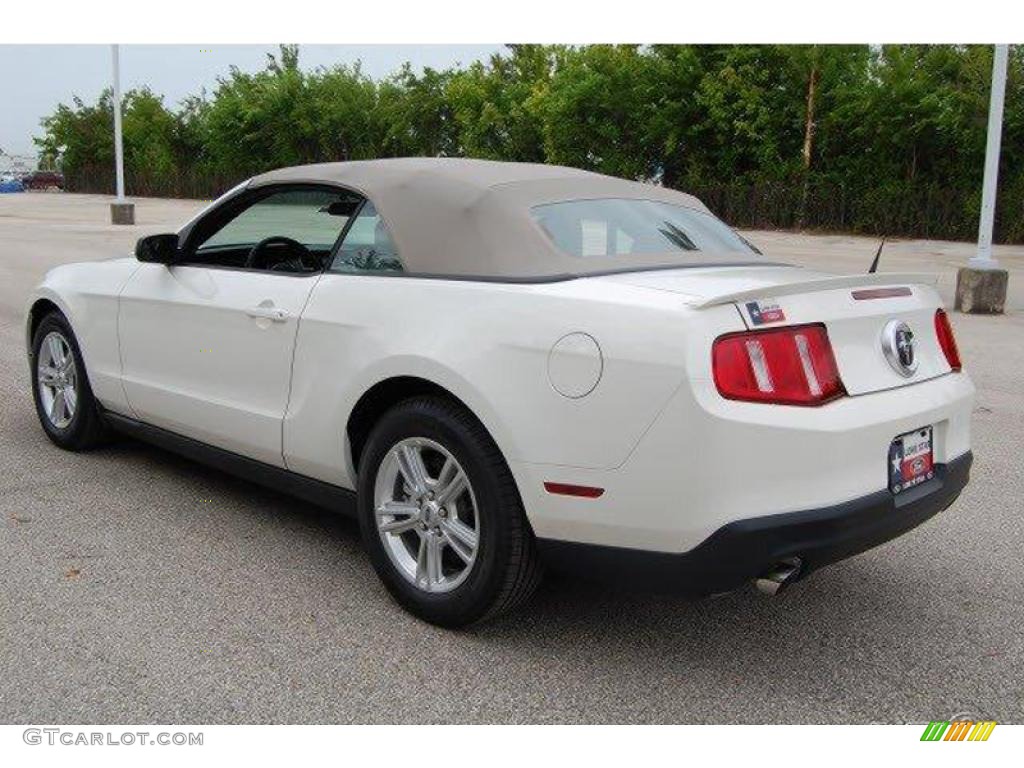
[(11, 184)]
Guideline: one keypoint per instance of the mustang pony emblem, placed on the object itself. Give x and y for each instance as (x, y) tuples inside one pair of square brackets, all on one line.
[(899, 347)]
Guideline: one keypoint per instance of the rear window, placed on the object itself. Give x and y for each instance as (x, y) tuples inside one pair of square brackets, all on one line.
[(623, 227)]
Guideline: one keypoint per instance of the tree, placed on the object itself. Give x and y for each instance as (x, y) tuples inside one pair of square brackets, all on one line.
[(414, 115), (81, 135), (600, 111), (494, 104)]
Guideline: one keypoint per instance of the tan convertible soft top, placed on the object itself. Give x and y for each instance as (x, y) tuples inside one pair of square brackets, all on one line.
[(455, 217)]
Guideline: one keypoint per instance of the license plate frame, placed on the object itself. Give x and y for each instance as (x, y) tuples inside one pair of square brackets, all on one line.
[(911, 460)]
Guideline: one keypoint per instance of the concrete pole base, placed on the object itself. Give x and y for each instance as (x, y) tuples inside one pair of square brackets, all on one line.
[(122, 213), (981, 291)]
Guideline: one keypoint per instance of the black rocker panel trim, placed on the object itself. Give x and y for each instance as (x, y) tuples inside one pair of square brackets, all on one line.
[(317, 492)]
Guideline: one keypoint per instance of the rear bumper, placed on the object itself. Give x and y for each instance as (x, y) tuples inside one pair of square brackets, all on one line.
[(746, 549), (706, 462)]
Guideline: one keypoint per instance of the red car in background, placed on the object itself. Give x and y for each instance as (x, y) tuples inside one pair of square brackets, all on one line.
[(43, 180)]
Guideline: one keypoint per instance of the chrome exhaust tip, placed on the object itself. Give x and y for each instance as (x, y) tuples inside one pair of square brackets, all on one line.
[(780, 576)]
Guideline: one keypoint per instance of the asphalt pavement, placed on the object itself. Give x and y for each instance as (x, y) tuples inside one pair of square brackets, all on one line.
[(139, 587)]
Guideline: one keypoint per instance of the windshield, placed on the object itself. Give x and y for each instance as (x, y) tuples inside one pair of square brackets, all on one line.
[(623, 227)]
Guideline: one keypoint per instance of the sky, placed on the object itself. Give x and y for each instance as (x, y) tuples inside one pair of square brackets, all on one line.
[(34, 79)]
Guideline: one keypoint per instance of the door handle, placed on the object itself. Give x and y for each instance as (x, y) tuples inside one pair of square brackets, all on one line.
[(274, 314)]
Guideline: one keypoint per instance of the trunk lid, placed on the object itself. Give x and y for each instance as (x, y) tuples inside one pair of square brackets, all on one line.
[(854, 308)]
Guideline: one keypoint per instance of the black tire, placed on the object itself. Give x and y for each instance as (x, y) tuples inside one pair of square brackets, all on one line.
[(506, 569), (86, 428)]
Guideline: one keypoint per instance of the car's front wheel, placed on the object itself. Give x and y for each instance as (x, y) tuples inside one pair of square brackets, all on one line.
[(441, 516), (67, 410)]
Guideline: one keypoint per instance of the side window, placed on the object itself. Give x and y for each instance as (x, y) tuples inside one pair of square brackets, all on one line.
[(291, 230), (604, 227), (367, 246)]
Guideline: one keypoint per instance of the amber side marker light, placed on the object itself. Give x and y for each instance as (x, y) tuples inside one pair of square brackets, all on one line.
[(567, 489)]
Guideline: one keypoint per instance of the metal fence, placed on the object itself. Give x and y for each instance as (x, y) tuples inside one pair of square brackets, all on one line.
[(193, 184), (902, 210)]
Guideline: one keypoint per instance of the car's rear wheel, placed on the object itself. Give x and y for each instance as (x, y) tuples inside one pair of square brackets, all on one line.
[(441, 516), (67, 410)]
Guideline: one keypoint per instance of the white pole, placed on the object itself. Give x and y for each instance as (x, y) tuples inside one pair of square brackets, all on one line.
[(118, 143), (984, 259)]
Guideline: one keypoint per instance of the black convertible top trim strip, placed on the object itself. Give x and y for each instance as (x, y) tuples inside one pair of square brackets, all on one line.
[(541, 279)]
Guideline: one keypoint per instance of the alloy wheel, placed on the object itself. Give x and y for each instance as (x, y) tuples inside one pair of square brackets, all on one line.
[(426, 514), (57, 380)]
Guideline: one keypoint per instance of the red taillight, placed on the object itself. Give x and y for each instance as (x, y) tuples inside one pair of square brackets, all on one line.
[(791, 366), (946, 339)]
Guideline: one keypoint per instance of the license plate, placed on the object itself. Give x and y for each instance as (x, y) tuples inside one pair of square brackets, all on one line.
[(910, 460)]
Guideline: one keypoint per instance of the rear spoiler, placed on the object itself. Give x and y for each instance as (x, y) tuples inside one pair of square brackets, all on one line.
[(818, 284)]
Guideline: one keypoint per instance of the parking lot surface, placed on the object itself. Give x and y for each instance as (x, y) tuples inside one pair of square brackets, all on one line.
[(139, 587)]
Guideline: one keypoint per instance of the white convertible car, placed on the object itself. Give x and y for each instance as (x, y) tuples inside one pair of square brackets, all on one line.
[(501, 367)]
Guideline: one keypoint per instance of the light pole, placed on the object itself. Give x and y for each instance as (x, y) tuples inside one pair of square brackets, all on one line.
[(981, 285), (984, 259), (121, 212)]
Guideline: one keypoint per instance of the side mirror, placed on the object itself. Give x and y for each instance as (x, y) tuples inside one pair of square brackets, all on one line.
[(157, 249)]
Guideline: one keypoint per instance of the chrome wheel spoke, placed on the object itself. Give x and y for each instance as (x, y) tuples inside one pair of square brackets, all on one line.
[(410, 463), (58, 408), (405, 517), (449, 492), (396, 508), (70, 399), (421, 563), (460, 537), (397, 527), (56, 351), (434, 574), (48, 375), (448, 471)]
